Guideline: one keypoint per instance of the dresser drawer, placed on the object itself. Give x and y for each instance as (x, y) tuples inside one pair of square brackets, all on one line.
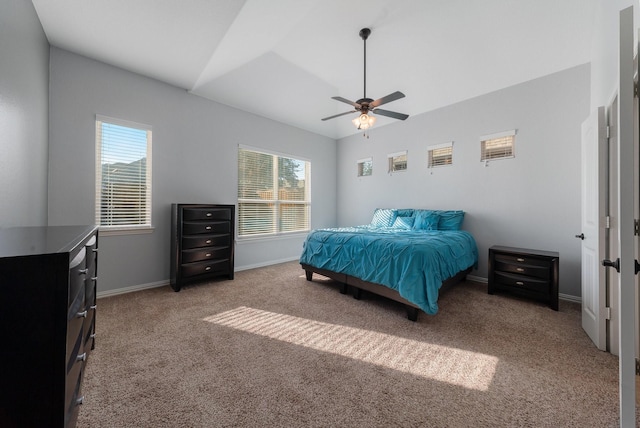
[(207, 267), (537, 271), (206, 214), (192, 228), (200, 241), (77, 274), (198, 254), (73, 398), (522, 282)]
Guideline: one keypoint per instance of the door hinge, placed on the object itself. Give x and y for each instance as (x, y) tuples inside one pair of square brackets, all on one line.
[(608, 313), (608, 129), (635, 89), (607, 222), (637, 367), (636, 227)]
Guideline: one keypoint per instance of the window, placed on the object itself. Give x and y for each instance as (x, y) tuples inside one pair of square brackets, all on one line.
[(365, 167), (397, 161), (274, 194), (123, 175), (440, 155), (498, 146)]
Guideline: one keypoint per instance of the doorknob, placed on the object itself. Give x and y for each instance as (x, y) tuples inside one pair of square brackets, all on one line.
[(581, 236), (614, 264)]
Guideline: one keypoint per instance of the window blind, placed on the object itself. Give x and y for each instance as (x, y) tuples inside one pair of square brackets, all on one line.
[(365, 167), (273, 194), (123, 174), (440, 155), (397, 161), (498, 146)]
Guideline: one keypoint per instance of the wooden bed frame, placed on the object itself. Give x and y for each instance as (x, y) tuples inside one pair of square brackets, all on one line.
[(359, 285)]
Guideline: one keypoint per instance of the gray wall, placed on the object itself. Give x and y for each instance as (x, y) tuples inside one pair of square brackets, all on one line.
[(531, 201), (195, 143), (24, 79)]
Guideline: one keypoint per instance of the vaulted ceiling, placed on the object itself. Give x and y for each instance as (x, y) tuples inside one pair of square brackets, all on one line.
[(285, 59)]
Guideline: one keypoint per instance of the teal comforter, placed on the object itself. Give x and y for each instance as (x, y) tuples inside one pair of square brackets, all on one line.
[(412, 262)]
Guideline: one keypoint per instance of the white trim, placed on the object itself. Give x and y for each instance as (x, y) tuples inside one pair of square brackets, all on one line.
[(369, 159), (561, 296), (499, 135), (396, 154), (477, 279), (269, 263), (134, 230), (248, 239), (271, 152), (131, 289), (123, 122), (440, 146)]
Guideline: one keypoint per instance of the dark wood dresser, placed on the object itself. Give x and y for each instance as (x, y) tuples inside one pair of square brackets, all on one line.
[(48, 279), (201, 242), (529, 273)]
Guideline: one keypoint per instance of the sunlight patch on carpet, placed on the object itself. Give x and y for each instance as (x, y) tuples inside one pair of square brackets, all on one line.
[(459, 367)]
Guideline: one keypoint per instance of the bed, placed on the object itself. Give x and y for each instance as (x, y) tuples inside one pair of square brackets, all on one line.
[(408, 255)]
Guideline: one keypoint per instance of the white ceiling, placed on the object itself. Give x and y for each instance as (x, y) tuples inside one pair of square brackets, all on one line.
[(285, 59)]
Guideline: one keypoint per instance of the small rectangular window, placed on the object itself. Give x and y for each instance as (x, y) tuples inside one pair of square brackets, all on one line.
[(498, 146), (123, 175), (365, 167), (397, 161), (440, 155)]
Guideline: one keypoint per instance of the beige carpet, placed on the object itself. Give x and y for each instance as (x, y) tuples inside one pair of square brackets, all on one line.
[(271, 349)]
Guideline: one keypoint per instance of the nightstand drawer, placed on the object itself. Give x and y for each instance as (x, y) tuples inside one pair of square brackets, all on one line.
[(541, 272), (522, 282)]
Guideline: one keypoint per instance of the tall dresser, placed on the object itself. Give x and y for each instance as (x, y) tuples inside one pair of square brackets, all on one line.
[(201, 242), (48, 279)]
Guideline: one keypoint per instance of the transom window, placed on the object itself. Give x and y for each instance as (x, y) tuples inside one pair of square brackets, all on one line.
[(397, 161), (440, 155), (498, 146), (274, 194), (365, 167), (123, 175)]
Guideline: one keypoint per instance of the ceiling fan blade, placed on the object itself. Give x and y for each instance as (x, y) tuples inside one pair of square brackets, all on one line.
[(344, 100), (392, 114), (391, 97), (338, 115)]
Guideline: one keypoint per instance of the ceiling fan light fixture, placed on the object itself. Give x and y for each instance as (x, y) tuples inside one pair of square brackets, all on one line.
[(364, 121)]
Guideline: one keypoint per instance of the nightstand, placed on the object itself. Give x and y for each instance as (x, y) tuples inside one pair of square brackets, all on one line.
[(525, 272)]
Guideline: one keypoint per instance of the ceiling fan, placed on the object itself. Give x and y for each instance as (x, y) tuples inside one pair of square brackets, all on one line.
[(365, 105)]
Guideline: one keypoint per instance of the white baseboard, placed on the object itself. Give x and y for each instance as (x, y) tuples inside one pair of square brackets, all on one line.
[(157, 284), (561, 296), (131, 289)]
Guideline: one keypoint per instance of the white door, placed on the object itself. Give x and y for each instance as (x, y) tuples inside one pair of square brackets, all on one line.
[(594, 157), (613, 244)]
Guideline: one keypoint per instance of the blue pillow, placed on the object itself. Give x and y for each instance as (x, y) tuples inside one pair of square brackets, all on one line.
[(426, 220), (403, 223), (384, 217), (450, 220), (406, 212)]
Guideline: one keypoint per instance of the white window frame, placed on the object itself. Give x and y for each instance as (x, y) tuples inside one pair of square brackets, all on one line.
[(123, 229), (395, 161), (361, 167), (508, 138), (275, 201), (439, 147)]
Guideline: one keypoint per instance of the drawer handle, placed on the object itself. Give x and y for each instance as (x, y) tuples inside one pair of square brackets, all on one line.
[(519, 283), (93, 336), (93, 307), (519, 259), (94, 278), (207, 268), (208, 227), (208, 255), (80, 401), (208, 241), (95, 250), (82, 314), (520, 269), (209, 214), (83, 271), (82, 357)]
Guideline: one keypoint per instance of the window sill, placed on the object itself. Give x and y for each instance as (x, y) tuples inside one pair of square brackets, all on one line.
[(115, 231), (278, 237)]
